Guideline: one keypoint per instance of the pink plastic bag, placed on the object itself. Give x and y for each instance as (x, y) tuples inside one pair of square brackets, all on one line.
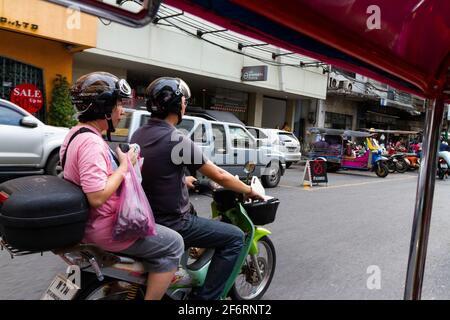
[(134, 216)]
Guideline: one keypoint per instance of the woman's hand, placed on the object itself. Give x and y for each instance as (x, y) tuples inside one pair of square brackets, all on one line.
[(123, 161), (190, 182)]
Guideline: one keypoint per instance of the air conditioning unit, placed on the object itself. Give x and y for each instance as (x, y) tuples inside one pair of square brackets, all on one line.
[(333, 83), (346, 85)]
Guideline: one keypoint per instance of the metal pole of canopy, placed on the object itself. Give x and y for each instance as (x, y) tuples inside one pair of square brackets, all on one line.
[(424, 201)]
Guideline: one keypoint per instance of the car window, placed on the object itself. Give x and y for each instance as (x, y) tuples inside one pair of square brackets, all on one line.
[(199, 134), (185, 126), (9, 117), (219, 136), (122, 129), (257, 133), (144, 120), (240, 138), (286, 136)]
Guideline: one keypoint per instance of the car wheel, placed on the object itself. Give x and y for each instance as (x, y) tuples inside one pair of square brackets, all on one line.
[(273, 178), (53, 166)]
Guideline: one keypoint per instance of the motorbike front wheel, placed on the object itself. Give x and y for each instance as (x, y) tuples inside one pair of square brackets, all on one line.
[(381, 170), (391, 166), (401, 166), (248, 286)]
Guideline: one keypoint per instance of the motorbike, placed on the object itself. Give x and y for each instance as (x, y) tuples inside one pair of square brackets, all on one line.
[(107, 275), (396, 162), (443, 165)]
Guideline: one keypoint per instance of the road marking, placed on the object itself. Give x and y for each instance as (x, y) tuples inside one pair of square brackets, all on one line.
[(345, 185)]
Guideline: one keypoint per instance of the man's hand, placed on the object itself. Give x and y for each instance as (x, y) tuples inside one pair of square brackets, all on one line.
[(190, 182), (253, 195)]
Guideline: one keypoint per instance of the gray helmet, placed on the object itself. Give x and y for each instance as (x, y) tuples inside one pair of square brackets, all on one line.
[(164, 96), (95, 95)]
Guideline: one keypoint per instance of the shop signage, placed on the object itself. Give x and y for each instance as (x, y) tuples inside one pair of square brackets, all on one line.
[(255, 73), (315, 172), (27, 96), (18, 24)]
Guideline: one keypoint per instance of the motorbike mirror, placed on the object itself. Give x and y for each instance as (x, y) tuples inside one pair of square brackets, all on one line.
[(249, 167), (131, 13)]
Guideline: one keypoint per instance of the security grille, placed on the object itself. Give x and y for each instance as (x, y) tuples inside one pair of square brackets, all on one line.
[(13, 73)]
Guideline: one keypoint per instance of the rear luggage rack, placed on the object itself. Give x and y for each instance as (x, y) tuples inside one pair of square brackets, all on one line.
[(14, 252)]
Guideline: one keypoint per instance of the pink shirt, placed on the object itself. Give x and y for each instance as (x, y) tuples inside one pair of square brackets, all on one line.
[(88, 165)]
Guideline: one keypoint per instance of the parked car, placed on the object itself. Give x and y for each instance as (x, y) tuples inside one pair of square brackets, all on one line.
[(284, 141), (229, 145), (213, 115), (27, 146)]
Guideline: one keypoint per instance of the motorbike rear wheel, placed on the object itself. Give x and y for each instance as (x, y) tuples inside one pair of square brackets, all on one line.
[(247, 285), (108, 289)]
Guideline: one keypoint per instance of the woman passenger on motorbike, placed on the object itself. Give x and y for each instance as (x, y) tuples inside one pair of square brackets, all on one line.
[(89, 163)]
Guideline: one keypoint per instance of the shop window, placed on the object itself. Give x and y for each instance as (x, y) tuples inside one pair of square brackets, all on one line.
[(338, 121), (14, 73)]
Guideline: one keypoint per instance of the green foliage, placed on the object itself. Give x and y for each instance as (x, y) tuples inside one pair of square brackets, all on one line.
[(61, 113)]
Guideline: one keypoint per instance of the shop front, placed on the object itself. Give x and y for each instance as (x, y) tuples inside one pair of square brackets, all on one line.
[(38, 43)]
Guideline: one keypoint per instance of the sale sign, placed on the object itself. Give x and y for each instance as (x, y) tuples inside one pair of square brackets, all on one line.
[(27, 96)]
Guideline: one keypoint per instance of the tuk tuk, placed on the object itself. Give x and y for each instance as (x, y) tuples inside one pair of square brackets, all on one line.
[(336, 146), (409, 49)]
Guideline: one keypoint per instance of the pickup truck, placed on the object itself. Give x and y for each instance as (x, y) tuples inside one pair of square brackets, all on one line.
[(229, 145)]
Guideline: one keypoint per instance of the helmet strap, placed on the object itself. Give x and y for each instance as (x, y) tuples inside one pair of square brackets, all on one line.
[(110, 126)]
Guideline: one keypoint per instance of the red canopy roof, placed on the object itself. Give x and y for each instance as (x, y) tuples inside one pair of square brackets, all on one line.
[(410, 50)]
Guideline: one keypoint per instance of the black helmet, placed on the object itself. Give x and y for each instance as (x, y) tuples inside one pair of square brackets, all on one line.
[(164, 96), (95, 95)]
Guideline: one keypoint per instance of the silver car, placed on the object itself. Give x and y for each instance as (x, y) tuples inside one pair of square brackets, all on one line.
[(27, 146), (282, 141)]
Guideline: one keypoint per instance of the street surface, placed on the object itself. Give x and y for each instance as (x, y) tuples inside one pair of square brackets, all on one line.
[(328, 240)]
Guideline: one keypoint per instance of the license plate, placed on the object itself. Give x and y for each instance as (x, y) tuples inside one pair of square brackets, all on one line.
[(60, 289)]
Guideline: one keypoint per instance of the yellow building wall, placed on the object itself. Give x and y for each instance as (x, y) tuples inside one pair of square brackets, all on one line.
[(46, 36), (52, 21), (51, 56)]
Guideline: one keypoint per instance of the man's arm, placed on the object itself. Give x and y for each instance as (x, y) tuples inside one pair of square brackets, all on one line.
[(227, 180)]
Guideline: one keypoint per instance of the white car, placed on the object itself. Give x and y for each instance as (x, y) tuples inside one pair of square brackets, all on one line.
[(282, 141), (27, 146)]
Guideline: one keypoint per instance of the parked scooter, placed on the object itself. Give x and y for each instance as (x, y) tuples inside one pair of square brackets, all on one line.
[(443, 166), (396, 162), (413, 161), (107, 275)]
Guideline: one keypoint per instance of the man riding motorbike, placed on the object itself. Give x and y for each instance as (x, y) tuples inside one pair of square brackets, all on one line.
[(89, 163), (167, 152)]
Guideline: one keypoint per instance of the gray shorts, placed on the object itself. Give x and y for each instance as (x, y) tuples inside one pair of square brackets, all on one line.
[(161, 252)]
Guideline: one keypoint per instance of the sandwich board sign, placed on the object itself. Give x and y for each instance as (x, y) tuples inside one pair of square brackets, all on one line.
[(315, 172)]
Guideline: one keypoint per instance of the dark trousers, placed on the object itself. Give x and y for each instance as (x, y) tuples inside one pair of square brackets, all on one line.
[(226, 239)]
